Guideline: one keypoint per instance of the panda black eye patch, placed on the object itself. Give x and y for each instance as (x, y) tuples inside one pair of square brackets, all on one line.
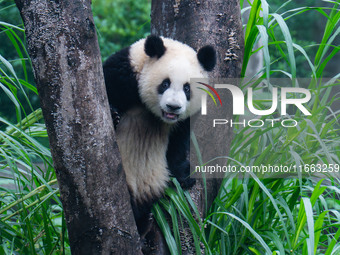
[(186, 89), (164, 86)]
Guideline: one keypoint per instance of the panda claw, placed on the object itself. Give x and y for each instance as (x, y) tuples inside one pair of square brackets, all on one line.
[(115, 116), (116, 119)]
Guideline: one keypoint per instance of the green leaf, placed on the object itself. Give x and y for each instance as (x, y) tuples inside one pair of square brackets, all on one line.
[(310, 224), (318, 228), (247, 226), (164, 226), (289, 43)]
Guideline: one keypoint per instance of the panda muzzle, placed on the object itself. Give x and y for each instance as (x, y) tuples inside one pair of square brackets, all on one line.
[(170, 115)]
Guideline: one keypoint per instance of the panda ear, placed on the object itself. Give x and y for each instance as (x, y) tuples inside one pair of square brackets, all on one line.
[(207, 57), (154, 46)]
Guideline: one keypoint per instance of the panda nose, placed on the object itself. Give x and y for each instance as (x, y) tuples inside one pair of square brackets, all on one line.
[(172, 107)]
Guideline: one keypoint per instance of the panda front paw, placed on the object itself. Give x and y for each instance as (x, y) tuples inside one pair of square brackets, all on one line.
[(115, 116), (183, 175), (187, 183)]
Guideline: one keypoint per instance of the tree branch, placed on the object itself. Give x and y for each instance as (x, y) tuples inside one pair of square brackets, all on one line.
[(63, 47), (198, 23)]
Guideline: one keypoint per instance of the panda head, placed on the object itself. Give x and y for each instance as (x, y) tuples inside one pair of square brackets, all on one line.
[(164, 79)]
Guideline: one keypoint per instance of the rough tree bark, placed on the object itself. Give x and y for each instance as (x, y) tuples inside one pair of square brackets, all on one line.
[(63, 47), (197, 23)]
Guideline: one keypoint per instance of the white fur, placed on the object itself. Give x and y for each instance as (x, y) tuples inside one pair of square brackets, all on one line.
[(142, 138), (143, 144)]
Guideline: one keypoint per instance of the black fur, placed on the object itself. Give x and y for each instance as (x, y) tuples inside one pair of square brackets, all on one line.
[(163, 86), (187, 91), (178, 148), (121, 83), (207, 57), (142, 214), (154, 46)]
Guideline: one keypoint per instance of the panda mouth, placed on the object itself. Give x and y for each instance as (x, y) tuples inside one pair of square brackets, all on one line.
[(170, 116)]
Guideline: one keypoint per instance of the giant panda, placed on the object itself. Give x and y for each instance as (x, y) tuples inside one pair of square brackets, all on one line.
[(152, 99)]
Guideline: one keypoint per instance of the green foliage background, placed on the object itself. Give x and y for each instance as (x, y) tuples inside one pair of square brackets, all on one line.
[(120, 23)]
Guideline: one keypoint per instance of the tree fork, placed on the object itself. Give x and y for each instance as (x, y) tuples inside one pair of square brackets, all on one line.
[(63, 47)]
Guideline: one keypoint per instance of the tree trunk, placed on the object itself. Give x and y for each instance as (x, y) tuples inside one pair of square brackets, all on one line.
[(63, 47), (198, 23)]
